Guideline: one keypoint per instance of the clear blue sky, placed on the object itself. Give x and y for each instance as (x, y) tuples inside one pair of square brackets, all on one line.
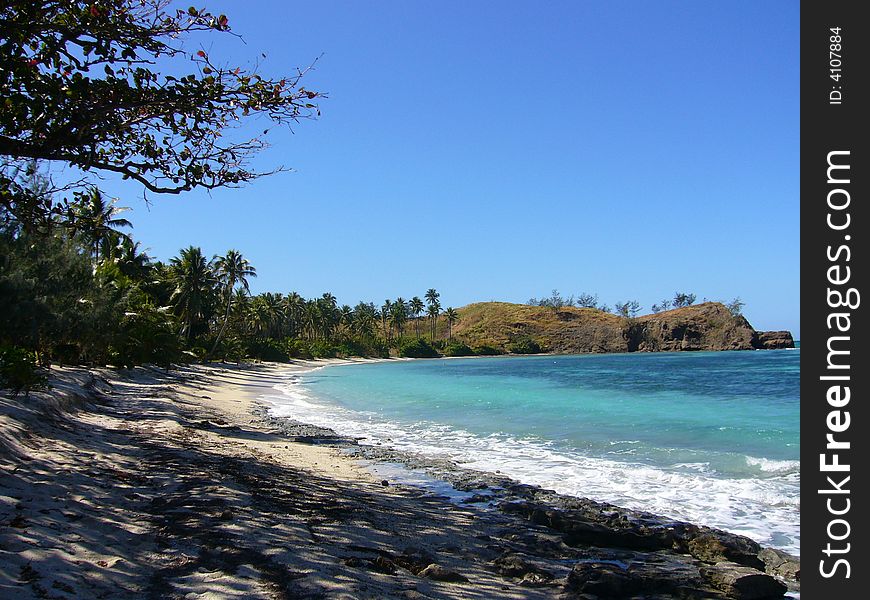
[(498, 150)]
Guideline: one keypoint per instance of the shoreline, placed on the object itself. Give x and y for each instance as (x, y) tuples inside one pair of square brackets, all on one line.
[(376, 445), (158, 483)]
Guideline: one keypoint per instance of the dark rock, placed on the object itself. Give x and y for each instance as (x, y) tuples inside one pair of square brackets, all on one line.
[(385, 483), (714, 546), (536, 579), (511, 565), (382, 564), (227, 515), (781, 564), (439, 573), (537, 544), (477, 498), (414, 559), (772, 340), (586, 533), (601, 579), (591, 526), (64, 587), (28, 574), (623, 574), (18, 521), (743, 583)]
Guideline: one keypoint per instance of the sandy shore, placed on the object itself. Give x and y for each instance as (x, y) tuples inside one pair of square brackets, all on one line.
[(153, 485)]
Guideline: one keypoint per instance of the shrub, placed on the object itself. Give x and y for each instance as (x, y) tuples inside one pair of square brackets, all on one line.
[(487, 351), (379, 348), (269, 350), (146, 335), (297, 348), (18, 371), (419, 348), (363, 347), (232, 349), (525, 345), (458, 349), (320, 349), (67, 354), (735, 306)]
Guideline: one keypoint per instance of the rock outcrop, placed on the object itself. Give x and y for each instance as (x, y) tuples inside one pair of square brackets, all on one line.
[(572, 330), (772, 340), (625, 553), (708, 326)]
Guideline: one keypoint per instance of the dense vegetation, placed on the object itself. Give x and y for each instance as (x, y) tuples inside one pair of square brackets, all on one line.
[(80, 90), (84, 292)]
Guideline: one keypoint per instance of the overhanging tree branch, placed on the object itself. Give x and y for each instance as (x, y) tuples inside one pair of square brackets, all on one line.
[(169, 133)]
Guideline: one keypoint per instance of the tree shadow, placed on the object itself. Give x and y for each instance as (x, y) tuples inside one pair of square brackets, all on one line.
[(98, 504)]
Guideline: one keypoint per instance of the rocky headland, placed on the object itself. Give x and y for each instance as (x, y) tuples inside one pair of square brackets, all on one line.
[(572, 330)]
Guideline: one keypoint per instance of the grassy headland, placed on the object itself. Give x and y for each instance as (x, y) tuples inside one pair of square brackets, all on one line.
[(510, 327)]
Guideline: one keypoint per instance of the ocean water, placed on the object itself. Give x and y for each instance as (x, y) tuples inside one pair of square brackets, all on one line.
[(709, 437)]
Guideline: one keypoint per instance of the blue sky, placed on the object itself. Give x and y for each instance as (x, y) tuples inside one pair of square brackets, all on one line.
[(498, 150)]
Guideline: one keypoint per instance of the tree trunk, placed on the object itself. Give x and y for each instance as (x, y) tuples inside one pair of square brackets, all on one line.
[(226, 320)]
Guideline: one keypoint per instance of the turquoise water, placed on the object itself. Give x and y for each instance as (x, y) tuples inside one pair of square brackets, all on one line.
[(710, 437)]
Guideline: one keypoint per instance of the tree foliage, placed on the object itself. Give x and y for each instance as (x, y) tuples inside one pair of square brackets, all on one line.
[(18, 370), (79, 85), (735, 307), (628, 309), (661, 306), (524, 345), (554, 300), (682, 299)]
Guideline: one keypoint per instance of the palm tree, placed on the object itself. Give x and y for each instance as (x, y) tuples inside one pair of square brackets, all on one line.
[(266, 315), (385, 317), (195, 284), (294, 306), (416, 306), (231, 269), (346, 319), (330, 315), (452, 316), (398, 316), (433, 309), (241, 303), (131, 262), (311, 319), (364, 317), (273, 313), (121, 250), (96, 219)]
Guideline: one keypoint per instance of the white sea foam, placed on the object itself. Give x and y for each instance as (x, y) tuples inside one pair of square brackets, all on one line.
[(766, 508), (774, 466)]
